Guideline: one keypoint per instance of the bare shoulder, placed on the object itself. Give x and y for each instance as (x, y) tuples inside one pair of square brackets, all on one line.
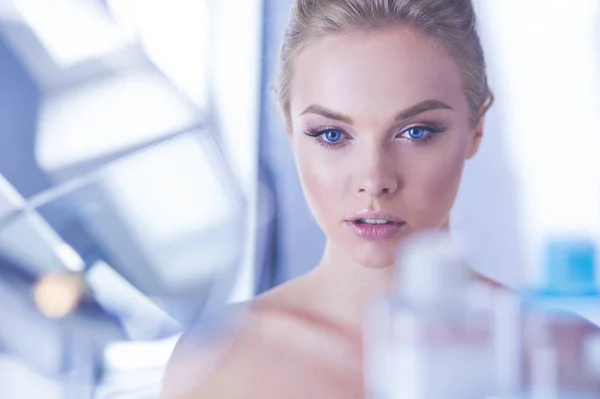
[(280, 349), (198, 353)]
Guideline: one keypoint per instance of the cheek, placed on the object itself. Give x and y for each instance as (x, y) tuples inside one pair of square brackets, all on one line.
[(431, 187), (322, 179)]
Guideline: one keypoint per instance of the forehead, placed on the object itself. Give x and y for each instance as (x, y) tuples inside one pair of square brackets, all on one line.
[(375, 73)]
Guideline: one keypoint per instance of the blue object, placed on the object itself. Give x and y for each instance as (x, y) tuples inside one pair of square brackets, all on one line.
[(569, 283), (569, 268)]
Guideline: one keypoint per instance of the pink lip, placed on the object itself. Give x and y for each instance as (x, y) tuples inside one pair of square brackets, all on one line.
[(376, 215), (375, 231)]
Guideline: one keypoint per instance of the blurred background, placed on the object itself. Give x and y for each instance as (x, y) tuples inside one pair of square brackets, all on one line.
[(139, 139)]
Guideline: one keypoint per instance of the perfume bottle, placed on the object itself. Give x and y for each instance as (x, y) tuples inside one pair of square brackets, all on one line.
[(430, 338)]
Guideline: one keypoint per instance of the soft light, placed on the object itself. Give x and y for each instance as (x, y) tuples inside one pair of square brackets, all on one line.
[(57, 295)]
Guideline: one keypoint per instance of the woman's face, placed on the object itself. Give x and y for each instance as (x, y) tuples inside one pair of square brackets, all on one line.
[(380, 131)]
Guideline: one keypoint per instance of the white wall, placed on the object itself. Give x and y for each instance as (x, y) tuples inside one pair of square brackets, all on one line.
[(538, 172)]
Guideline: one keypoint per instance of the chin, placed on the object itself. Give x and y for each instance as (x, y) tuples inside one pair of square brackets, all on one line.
[(378, 260)]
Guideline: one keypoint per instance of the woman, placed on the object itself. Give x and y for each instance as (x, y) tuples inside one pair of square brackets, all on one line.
[(384, 101)]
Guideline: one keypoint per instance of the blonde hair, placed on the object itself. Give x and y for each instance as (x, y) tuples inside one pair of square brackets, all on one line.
[(450, 23)]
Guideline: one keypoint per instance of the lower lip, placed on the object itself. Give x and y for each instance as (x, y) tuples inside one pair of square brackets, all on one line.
[(375, 231)]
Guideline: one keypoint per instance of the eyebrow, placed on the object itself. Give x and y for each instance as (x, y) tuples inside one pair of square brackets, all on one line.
[(327, 113), (423, 106), (410, 112)]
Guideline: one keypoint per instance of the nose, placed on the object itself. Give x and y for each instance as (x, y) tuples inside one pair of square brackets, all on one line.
[(378, 176)]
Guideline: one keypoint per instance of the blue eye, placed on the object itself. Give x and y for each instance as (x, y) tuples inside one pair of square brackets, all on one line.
[(417, 133), (332, 136), (329, 137)]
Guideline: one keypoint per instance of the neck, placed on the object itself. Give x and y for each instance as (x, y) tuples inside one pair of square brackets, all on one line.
[(345, 288)]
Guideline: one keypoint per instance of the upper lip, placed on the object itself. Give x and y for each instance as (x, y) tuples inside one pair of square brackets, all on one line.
[(376, 215)]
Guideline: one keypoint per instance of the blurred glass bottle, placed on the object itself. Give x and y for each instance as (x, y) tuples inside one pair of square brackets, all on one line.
[(557, 353), (431, 338)]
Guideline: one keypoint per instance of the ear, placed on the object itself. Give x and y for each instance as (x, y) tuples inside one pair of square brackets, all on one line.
[(475, 139)]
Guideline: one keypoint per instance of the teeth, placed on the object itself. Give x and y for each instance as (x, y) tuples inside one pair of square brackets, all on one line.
[(373, 221)]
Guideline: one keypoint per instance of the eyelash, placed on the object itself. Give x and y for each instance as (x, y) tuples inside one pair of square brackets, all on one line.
[(318, 133)]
